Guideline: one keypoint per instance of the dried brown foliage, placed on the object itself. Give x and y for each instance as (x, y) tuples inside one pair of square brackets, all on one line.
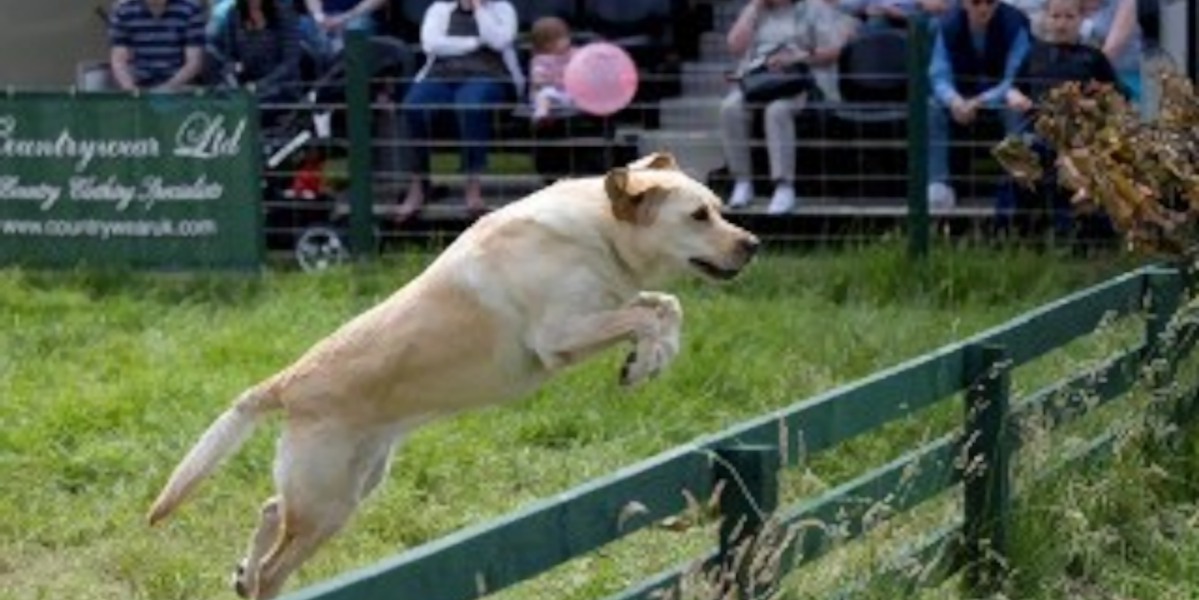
[(1144, 174)]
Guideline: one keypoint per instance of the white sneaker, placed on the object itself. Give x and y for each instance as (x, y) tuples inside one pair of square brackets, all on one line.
[(941, 197), (782, 201), (743, 194)]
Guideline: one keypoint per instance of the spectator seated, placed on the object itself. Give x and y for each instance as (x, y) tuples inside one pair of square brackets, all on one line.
[(857, 148), (871, 119), (570, 142)]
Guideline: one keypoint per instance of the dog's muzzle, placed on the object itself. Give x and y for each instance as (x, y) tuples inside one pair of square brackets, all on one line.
[(745, 250)]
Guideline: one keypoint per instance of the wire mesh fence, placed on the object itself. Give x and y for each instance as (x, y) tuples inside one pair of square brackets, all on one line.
[(848, 155)]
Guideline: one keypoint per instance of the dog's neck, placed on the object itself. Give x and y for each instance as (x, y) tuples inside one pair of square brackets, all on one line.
[(633, 267)]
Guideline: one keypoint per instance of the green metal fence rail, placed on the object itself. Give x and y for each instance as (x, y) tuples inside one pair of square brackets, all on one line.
[(742, 463)]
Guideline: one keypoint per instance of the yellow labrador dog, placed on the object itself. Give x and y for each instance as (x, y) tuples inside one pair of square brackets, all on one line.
[(530, 289)]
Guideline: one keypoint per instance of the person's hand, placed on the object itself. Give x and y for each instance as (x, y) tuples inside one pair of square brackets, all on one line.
[(776, 61), (963, 110), (782, 58), (1019, 102), (334, 23), (933, 6)]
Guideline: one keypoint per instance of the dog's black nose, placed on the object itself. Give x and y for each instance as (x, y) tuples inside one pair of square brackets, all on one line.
[(749, 246)]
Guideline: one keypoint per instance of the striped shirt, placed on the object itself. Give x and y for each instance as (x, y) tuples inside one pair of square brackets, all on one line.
[(156, 42)]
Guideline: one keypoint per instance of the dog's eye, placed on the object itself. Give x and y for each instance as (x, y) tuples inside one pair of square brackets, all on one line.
[(701, 214)]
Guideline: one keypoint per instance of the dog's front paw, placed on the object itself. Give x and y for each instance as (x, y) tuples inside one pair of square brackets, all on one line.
[(240, 586), (649, 357), (667, 308)]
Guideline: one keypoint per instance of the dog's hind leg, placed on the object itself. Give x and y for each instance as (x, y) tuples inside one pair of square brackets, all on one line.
[(322, 478), (380, 450), (245, 579)]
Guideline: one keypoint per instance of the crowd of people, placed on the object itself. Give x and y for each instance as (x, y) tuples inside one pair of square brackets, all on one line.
[(989, 57)]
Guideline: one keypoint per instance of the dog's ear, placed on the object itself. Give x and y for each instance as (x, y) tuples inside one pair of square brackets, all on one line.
[(657, 160), (629, 194)]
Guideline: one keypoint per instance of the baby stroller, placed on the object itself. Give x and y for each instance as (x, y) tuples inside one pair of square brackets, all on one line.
[(300, 138)]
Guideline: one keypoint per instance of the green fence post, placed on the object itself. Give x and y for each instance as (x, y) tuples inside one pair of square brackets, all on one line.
[(747, 477), (358, 117), (986, 480), (918, 56), (1164, 286)]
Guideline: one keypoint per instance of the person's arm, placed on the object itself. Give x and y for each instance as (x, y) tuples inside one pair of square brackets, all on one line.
[(1017, 96), (539, 71), (119, 55), (940, 73), (1104, 72), (193, 52), (741, 34), (364, 8), (1124, 24), (1024, 75), (122, 72), (497, 23), (316, 10), (433, 37), (193, 63), (994, 96), (829, 54)]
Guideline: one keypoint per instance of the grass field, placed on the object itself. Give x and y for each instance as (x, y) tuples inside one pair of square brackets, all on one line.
[(106, 379)]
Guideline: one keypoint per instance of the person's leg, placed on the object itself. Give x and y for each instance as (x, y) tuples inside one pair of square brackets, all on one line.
[(476, 102), (317, 42), (541, 103), (419, 107), (940, 192), (780, 146), (734, 136), (938, 143), (550, 99)]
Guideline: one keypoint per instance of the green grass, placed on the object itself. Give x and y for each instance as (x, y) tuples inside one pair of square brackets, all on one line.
[(106, 379)]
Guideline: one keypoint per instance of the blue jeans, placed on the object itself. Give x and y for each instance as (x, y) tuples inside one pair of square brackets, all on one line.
[(472, 100), (326, 45), (938, 138)]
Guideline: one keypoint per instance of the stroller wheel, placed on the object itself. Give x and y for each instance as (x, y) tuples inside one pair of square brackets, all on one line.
[(320, 247)]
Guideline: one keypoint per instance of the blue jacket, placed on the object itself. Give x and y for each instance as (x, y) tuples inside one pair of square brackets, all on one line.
[(958, 68)]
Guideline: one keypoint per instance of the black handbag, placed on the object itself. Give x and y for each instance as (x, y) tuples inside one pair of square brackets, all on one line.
[(761, 85)]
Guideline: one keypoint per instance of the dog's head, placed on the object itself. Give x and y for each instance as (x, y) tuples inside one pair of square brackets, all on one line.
[(675, 221)]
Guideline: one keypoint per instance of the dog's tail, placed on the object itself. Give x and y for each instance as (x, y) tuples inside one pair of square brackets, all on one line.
[(221, 439)]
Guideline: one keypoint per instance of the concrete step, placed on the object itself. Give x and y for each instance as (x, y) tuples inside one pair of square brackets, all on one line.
[(705, 79), (697, 152), (714, 48), (689, 113)]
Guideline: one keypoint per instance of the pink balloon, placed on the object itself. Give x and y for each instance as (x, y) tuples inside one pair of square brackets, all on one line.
[(601, 78)]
